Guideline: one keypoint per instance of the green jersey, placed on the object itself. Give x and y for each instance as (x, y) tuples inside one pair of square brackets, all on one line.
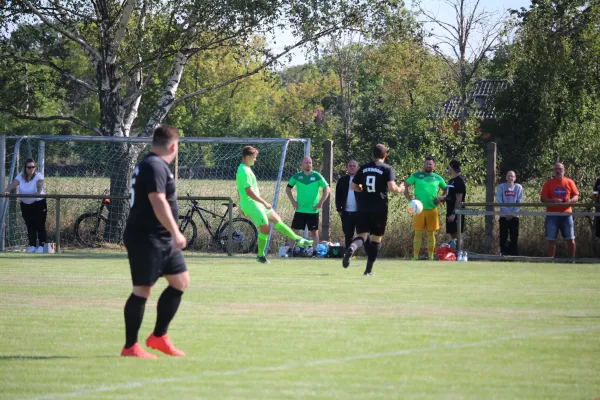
[(245, 178), (308, 187), (427, 187)]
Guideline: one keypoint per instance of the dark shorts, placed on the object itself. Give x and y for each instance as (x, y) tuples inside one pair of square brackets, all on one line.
[(302, 220), (150, 258), (371, 222), (452, 226)]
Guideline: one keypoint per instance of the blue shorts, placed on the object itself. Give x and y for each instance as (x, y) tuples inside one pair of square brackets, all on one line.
[(563, 223)]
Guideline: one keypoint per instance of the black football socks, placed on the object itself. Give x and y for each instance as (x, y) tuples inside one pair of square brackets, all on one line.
[(167, 306), (372, 250), (134, 314)]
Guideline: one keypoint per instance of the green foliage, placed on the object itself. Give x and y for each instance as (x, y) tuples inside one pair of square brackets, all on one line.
[(550, 110)]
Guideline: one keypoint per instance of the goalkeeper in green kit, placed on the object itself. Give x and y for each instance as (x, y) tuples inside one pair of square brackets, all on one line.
[(257, 209)]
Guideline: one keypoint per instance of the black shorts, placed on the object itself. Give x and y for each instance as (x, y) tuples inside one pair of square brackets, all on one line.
[(371, 222), (302, 220), (150, 258), (452, 226)]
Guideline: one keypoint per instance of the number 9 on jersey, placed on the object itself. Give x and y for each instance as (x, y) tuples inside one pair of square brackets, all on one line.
[(370, 183)]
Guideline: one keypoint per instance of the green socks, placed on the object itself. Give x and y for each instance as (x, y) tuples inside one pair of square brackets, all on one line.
[(286, 230), (262, 244)]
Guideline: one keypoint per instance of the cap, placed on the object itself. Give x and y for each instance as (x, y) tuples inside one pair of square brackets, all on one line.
[(455, 165)]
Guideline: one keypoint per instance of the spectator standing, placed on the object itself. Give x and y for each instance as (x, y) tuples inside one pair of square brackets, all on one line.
[(309, 201), (33, 210), (509, 192), (346, 203), (560, 190)]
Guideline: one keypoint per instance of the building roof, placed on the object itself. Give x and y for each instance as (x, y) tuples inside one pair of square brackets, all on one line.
[(479, 104)]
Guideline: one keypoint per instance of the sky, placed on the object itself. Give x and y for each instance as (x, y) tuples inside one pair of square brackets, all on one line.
[(437, 7)]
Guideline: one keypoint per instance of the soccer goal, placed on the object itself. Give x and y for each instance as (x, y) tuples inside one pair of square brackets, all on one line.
[(103, 165)]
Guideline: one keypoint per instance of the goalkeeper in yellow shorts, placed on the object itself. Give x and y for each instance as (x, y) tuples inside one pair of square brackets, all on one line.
[(257, 209), (427, 186)]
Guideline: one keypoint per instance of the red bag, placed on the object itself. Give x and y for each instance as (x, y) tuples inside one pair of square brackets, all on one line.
[(445, 253)]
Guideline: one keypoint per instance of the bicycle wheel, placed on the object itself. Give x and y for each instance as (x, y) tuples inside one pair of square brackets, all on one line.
[(89, 229), (244, 236), (189, 229)]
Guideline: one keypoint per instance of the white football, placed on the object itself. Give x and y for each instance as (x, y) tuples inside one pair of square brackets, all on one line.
[(415, 207)]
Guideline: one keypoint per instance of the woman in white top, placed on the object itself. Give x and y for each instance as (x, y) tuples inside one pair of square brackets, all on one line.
[(33, 209)]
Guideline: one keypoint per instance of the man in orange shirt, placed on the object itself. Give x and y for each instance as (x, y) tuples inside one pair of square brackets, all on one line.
[(559, 189)]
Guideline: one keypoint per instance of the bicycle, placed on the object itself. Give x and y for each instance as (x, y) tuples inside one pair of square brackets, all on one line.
[(89, 227), (244, 235)]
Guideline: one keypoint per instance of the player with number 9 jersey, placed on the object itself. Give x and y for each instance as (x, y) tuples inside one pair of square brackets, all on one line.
[(374, 178), (372, 182)]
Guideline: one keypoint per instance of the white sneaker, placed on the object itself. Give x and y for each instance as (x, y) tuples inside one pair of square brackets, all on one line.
[(40, 249), (31, 249)]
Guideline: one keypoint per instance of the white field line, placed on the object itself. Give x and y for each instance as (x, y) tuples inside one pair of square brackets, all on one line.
[(285, 367)]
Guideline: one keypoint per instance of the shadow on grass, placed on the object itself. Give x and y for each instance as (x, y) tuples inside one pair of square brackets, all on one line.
[(42, 358)]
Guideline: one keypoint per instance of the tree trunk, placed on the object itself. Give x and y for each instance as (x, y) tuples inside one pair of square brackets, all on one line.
[(127, 155)]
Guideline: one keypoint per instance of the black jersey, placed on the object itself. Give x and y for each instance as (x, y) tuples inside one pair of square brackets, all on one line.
[(374, 178), (151, 175), (455, 186)]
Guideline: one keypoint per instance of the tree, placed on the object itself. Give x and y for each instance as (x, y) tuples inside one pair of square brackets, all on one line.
[(470, 40), (139, 48), (551, 107)]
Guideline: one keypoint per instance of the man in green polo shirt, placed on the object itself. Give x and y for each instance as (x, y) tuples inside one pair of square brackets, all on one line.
[(427, 186), (309, 201)]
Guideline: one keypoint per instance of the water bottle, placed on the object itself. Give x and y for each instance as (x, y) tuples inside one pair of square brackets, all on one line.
[(460, 256), (465, 257)]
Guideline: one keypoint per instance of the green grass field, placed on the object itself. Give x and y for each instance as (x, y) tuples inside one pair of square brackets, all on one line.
[(305, 329)]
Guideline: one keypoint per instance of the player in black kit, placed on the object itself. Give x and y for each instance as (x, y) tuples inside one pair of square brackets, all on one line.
[(154, 244), (373, 181)]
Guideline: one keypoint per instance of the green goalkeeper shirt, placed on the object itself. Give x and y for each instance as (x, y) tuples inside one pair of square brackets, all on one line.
[(245, 178), (427, 187), (308, 188)]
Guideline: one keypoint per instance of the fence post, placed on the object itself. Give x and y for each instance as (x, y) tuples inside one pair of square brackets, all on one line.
[(58, 224), (230, 230), (41, 163), (490, 186), (328, 175), (2, 184), (459, 228)]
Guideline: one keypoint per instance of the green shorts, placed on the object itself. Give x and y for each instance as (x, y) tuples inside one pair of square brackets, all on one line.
[(257, 213)]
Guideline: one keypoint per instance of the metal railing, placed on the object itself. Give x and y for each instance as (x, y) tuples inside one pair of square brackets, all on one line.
[(59, 197), (461, 210)]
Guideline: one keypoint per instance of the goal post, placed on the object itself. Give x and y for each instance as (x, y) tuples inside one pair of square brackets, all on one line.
[(90, 165)]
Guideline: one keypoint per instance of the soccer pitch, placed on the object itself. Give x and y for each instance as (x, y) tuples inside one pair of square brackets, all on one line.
[(304, 329)]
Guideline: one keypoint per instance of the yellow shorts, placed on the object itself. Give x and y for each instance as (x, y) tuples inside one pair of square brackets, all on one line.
[(427, 221)]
